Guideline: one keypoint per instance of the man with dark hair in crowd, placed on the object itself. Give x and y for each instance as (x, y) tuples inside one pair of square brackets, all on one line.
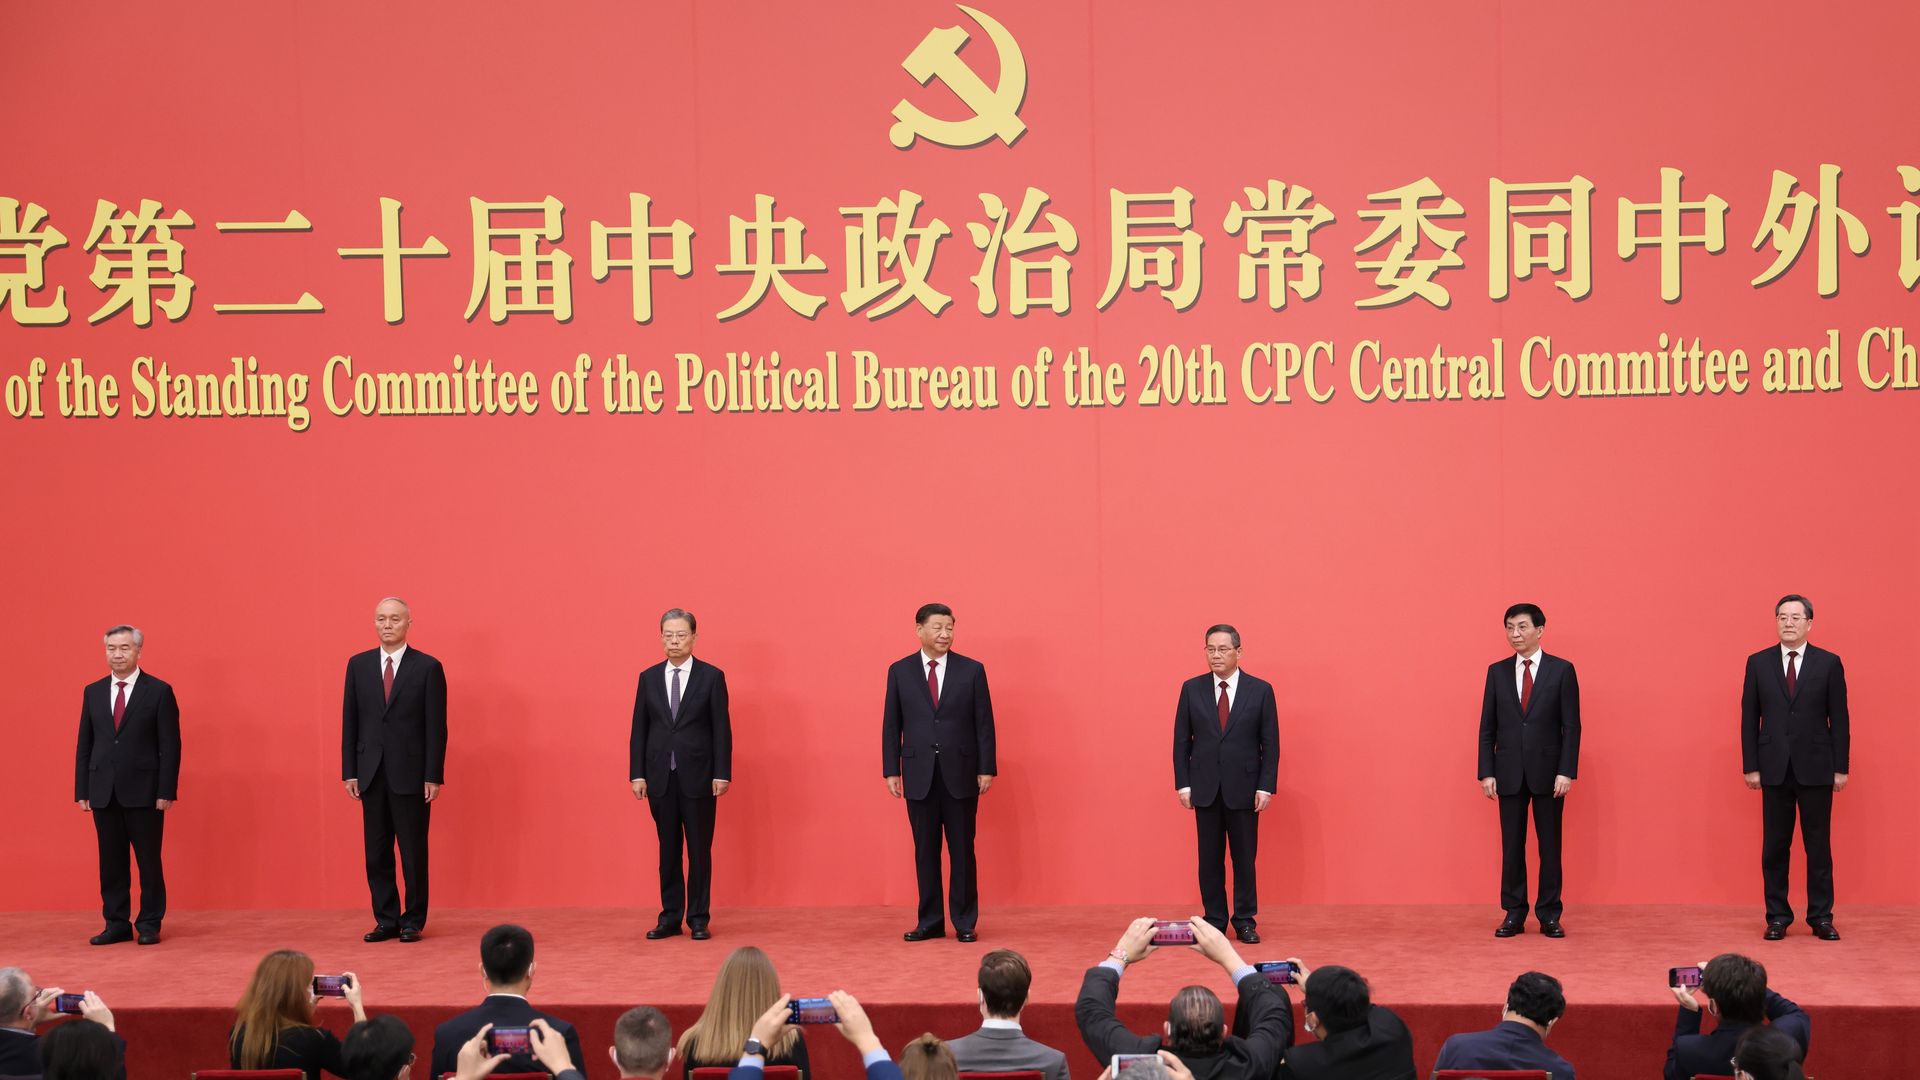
[(1735, 989), (379, 1048), (507, 965), (1535, 1003), (642, 1044), (23, 1008), (1196, 1028), (1358, 1040), (1000, 1045)]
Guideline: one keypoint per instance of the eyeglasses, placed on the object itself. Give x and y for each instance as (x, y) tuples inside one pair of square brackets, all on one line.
[(675, 635), (1794, 618), (1221, 650)]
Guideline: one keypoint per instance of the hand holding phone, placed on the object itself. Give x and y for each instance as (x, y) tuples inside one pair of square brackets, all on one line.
[(69, 1003), (813, 1010), (1688, 977), (1139, 1067), (1278, 972), (330, 986), (1171, 932)]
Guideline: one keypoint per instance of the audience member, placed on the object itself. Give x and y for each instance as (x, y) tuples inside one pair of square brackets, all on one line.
[(507, 967), (23, 1008), (1196, 1028), (1534, 1004), (745, 985), (927, 1058), (1767, 1053), (276, 1023), (1735, 989), (378, 1049), (852, 1024), (1000, 1045), (1357, 1040), (81, 1050), (642, 1044)]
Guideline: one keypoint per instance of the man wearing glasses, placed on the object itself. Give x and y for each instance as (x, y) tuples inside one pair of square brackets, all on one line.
[(1793, 748), (1226, 763), (680, 759)]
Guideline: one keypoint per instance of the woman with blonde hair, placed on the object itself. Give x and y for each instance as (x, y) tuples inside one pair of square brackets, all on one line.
[(276, 1023), (927, 1058), (745, 987)]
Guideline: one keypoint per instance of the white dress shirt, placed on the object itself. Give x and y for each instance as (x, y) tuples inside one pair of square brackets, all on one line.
[(396, 656), (1520, 671), (1798, 668), (939, 669), (113, 687)]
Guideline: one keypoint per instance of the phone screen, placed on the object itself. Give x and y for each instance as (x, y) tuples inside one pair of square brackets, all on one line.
[(1139, 1067), (510, 1040), (814, 1010), (1278, 972), (68, 1003), (330, 985), (1688, 977), (1172, 932)]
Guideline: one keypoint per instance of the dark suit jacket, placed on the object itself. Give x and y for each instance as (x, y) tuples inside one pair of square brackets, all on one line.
[(1523, 752), (408, 736), (312, 1050), (961, 728), (140, 763), (1693, 1053), (1007, 1050), (1270, 1022), (20, 1050), (1809, 729), (1379, 1049), (1509, 1046), (1228, 765), (500, 1010), (700, 741)]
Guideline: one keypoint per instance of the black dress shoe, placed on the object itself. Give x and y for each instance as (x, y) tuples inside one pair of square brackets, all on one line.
[(1775, 931), (920, 934), (409, 934), (1248, 935), (1552, 930), (1825, 931), (381, 933), (661, 931), (1510, 928), (148, 937), (111, 936), (966, 936), (701, 933)]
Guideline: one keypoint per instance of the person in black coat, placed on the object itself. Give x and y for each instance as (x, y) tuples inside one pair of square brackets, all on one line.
[(507, 965), (1535, 1003), (1356, 1039), (1226, 765), (23, 1008), (1733, 987), (126, 774)]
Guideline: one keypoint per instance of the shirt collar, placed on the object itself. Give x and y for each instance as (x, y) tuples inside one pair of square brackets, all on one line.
[(941, 660), (1800, 648), (398, 655), (132, 677), (681, 668), (1534, 656), (999, 1024), (1232, 681)]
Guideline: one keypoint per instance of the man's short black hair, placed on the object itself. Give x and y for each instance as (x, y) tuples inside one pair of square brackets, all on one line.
[(1790, 598), (1538, 997), (928, 611), (641, 1039), (1738, 985), (1004, 982), (506, 952), (376, 1049), (1531, 611), (1196, 1019), (1223, 628), (79, 1050), (1339, 996)]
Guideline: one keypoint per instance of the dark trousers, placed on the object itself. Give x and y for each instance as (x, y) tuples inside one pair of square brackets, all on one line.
[(1513, 854), (117, 828), (387, 818), (941, 813), (1222, 829), (683, 816), (1778, 805)]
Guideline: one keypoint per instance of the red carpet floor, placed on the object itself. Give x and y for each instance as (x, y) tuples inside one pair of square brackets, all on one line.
[(1440, 967)]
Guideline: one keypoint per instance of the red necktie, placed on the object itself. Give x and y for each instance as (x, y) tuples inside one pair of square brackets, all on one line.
[(1225, 705), (1526, 684), (120, 704), (389, 679), (1792, 682), (933, 682)]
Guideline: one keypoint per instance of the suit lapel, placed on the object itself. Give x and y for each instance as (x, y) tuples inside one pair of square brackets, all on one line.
[(1239, 706), (1779, 663), (695, 678), (403, 673)]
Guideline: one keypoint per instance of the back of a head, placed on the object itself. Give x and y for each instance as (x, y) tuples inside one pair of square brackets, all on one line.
[(278, 998), (377, 1049), (16, 993), (79, 1050), (927, 1058), (1538, 997), (1195, 1020), (1767, 1053), (641, 1039), (506, 952), (1738, 986), (1339, 997), (743, 988), (1004, 981)]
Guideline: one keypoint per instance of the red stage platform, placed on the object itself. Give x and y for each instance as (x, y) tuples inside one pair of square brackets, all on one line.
[(1440, 967)]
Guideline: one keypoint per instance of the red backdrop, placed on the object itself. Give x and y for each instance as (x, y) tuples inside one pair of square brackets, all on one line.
[(1366, 551)]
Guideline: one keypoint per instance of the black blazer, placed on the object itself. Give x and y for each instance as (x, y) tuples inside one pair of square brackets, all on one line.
[(141, 762), (1509, 1046), (1693, 1053), (1524, 751), (20, 1050), (1268, 1010), (961, 729), (1381, 1048), (407, 735), (500, 1010), (312, 1050), (1809, 729), (700, 742), (1230, 765)]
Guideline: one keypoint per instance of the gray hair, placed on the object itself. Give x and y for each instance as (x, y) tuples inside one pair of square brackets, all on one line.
[(680, 613), (404, 606), (139, 639), (15, 989)]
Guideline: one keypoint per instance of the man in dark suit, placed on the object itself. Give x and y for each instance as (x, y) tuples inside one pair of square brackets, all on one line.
[(1001, 1045), (1794, 742), (23, 1008), (393, 759), (1195, 1029), (1535, 1003), (507, 965), (126, 774), (680, 759), (936, 751), (1226, 764), (1355, 1039), (1735, 989), (1529, 757)]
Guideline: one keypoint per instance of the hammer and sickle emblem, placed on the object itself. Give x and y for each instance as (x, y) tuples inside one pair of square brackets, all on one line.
[(995, 108)]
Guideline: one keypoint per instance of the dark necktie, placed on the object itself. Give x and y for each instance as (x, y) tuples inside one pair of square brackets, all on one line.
[(1225, 705), (1792, 682), (673, 695), (1526, 684), (389, 680), (119, 705), (933, 682)]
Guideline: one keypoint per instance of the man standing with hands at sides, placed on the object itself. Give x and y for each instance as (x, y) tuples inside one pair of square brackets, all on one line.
[(1793, 747), (1529, 756), (393, 758), (126, 774), (936, 751), (1226, 764), (680, 759)]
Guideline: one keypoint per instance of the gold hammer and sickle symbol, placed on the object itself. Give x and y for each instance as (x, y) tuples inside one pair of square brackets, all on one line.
[(995, 108)]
